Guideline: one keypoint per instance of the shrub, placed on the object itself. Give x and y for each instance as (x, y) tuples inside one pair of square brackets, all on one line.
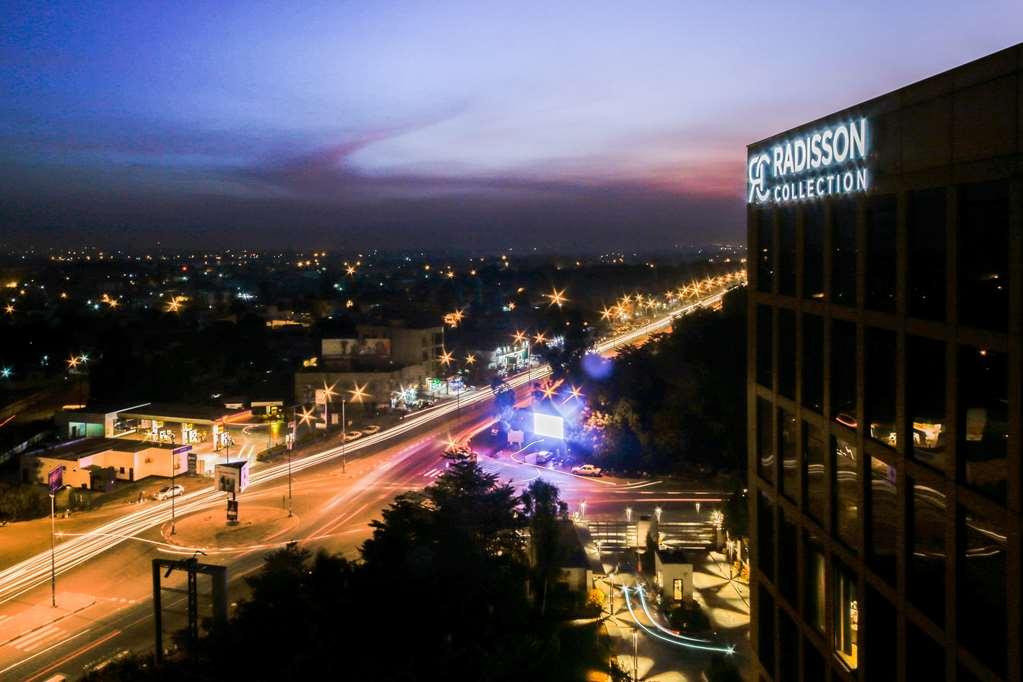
[(20, 502)]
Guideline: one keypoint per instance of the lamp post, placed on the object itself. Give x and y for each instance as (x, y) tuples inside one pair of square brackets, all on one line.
[(174, 470), (358, 393), (635, 654), (53, 553)]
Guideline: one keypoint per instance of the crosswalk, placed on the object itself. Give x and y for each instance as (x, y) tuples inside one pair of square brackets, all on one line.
[(33, 640), (434, 472)]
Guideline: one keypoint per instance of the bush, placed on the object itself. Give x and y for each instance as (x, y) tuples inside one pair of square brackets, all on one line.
[(721, 670), (20, 502), (689, 617), (594, 602)]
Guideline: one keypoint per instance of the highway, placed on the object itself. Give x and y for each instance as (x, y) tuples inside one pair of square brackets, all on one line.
[(104, 585)]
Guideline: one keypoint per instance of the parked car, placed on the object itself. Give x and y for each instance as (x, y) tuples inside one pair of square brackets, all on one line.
[(371, 429), (169, 491), (586, 470), (544, 457), (460, 451), (352, 435)]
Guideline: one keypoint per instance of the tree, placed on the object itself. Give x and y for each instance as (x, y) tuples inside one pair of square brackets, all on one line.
[(542, 504)]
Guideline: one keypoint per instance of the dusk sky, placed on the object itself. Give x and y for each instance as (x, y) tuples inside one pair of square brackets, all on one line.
[(557, 124)]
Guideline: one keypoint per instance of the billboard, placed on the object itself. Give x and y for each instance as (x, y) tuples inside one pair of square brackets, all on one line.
[(232, 477), (55, 479), (548, 425)]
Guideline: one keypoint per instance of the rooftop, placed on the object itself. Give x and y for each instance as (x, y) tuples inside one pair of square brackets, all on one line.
[(198, 413), (76, 449)]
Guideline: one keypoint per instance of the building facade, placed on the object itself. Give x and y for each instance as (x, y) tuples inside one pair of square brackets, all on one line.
[(885, 346)]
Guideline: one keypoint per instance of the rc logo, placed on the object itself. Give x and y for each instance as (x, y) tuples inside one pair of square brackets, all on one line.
[(757, 175)]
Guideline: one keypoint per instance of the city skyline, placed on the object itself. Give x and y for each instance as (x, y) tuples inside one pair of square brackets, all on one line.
[(560, 127)]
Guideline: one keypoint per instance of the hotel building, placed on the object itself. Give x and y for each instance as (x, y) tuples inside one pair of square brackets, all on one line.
[(886, 354)]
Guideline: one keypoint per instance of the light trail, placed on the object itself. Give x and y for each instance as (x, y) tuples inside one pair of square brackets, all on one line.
[(35, 571), (657, 624), (727, 650)]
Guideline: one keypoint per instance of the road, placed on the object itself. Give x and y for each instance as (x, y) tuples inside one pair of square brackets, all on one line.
[(104, 584)]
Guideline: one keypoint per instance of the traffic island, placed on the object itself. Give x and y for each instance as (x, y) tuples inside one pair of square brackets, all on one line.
[(257, 525)]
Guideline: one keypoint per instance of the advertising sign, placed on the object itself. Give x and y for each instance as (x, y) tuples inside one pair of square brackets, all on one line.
[(193, 464), (232, 477), (55, 479), (809, 166), (548, 425), (348, 348), (232, 511)]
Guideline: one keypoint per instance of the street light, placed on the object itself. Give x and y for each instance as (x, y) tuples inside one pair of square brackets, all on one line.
[(582, 509), (657, 512), (358, 393), (628, 514), (635, 654)]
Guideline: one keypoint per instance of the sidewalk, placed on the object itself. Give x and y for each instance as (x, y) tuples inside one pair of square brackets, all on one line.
[(23, 629)]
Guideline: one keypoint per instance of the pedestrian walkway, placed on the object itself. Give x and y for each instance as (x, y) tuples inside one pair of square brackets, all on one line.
[(37, 625)]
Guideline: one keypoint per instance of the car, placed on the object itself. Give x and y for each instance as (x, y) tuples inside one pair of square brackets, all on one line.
[(586, 470), (371, 429), (456, 450), (169, 491), (544, 456), (352, 435)]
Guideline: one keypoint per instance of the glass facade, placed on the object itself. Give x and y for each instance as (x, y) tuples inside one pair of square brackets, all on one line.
[(888, 403)]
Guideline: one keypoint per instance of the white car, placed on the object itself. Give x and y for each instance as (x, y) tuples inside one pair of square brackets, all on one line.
[(371, 429), (586, 470), (169, 491), (352, 435)]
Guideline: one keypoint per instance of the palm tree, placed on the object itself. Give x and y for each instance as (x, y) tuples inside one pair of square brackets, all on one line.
[(543, 506)]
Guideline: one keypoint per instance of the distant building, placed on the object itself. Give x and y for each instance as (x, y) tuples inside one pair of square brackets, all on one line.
[(885, 355), (131, 460)]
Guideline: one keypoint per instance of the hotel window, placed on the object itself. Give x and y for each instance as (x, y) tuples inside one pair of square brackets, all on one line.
[(813, 362), (843, 253), (815, 453), (787, 353), (813, 251), (815, 586), (788, 566), (983, 250), (925, 657), (982, 617), (880, 638), (880, 275), (765, 364), (813, 662), (765, 251), (983, 420), (926, 574), (879, 385), (788, 440), (927, 254), (787, 251), (765, 627), (884, 515), (925, 399), (788, 647), (846, 492), (676, 589), (765, 536), (843, 372), (766, 463), (847, 615)]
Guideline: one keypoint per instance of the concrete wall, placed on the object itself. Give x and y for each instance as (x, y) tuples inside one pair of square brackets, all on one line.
[(665, 575)]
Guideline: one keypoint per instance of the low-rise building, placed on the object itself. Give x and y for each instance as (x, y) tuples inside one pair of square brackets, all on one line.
[(83, 461)]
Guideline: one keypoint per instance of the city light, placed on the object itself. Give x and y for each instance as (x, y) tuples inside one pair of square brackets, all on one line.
[(557, 297), (446, 357), (520, 337), (307, 416), (358, 392), (5, 373), (470, 359)]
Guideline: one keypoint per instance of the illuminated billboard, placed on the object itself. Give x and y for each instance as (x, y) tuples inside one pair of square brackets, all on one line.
[(548, 425), (232, 477)]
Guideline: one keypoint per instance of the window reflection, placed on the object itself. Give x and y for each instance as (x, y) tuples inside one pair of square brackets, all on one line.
[(843, 253), (786, 353), (815, 586), (846, 611), (982, 576), (813, 362), (884, 514), (983, 250), (847, 483), (927, 249), (765, 440), (927, 559), (787, 251), (815, 451), (925, 395), (765, 251), (765, 364), (843, 372), (880, 269), (983, 419), (879, 386), (813, 251), (788, 429)]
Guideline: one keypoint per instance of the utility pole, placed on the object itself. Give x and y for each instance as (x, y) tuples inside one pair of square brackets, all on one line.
[(174, 469), (635, 655), (291, 445), (344, 435), (53, 557)]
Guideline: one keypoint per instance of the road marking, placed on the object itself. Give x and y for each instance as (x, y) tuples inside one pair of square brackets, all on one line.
[(40, 653), (34, 638), (67, 658)]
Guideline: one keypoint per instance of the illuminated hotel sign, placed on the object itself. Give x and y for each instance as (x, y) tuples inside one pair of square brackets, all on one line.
[(818, 164)]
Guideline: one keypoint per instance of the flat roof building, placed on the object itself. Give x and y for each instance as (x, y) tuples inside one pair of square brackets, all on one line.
[(884, 389)]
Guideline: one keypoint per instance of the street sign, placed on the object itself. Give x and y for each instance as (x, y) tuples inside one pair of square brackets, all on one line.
[(56, 479), (182, 448), (192, 463)]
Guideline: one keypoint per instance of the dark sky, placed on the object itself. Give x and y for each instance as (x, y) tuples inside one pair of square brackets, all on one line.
[(476, 125)]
